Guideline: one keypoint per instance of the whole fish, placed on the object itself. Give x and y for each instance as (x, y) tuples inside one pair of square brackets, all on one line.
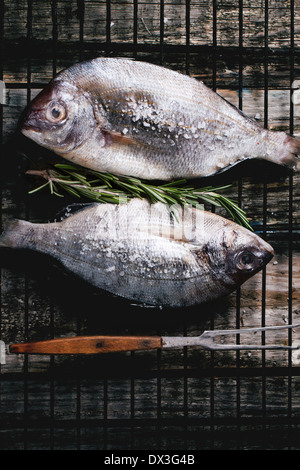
[(148, 253), (134, 118)]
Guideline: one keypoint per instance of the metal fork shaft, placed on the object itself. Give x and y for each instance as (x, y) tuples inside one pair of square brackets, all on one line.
[(206, 340)]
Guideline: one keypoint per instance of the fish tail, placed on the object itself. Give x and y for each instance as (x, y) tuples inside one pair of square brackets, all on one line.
[(285, 150), (15, 234)]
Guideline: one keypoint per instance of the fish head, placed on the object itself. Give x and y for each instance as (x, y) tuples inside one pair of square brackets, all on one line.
[(237, 254), (60, 118)]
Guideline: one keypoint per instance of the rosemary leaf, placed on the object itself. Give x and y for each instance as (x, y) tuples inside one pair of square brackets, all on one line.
[(38, 188)]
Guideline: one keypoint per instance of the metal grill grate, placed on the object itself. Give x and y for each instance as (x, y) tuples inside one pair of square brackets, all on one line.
[(181, 400)]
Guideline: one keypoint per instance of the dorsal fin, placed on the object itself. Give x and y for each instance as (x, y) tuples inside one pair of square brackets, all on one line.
[(71, 209)]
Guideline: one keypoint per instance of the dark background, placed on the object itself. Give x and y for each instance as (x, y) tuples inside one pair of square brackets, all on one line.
[(185, 399)]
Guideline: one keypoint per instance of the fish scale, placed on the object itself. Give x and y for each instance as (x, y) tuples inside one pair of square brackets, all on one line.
[(134, 118)]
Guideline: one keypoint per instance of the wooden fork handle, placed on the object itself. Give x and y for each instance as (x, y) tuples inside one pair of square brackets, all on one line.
[(88, 345)]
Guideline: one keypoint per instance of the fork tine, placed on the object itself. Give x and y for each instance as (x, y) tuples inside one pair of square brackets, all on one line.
[(247, 347), (208, 342)]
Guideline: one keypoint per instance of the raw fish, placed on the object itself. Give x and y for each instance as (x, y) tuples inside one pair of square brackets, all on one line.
[(134, 118), (148, 253)]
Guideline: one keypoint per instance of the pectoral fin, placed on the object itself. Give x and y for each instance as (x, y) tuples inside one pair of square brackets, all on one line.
[(113, 137)]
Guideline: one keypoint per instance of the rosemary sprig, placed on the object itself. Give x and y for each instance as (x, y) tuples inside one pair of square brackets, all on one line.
[(106, 187)]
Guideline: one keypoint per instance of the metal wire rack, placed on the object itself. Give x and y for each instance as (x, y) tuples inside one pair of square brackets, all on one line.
[(185, 399)]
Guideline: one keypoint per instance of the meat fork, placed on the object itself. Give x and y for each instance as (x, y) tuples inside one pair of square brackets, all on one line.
[(107, 344)]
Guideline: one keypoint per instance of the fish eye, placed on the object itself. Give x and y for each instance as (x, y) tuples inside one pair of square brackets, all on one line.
[(246, 261), (56, 112)]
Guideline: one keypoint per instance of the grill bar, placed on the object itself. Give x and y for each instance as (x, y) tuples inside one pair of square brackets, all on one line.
[(179, 421), (22, 46), (1, 158), (26, 281), (291, 216), (245, 372)]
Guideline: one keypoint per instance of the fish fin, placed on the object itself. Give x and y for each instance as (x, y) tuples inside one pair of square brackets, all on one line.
[(72, 209), (291, 157), (182, 232), (287, 149), (124, 58), (112, 137), (14, 234)]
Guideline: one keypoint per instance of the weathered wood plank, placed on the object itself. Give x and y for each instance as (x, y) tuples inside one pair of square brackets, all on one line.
[(15, 283)]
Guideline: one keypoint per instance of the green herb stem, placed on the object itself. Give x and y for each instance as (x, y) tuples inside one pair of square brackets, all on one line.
[(106, 187)]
